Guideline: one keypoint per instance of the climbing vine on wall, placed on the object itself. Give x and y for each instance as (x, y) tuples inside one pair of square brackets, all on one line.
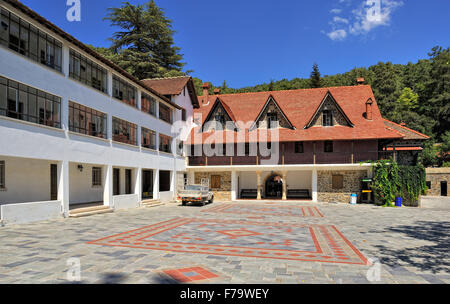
[(391, 180)]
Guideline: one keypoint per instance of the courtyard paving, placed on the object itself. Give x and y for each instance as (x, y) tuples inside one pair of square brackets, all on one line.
[(241, 242)]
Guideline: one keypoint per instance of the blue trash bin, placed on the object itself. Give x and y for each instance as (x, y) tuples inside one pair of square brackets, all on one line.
[(398, 201)]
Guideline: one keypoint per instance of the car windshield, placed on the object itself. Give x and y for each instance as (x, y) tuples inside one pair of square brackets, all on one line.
[(194, 188)]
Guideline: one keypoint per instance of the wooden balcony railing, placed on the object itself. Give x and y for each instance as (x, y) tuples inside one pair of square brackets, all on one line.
[(292, 159)]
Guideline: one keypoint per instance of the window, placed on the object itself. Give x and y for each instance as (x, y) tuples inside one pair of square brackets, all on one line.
[(96, 177), (216, 181), (165, 113), (2, 174), (338, 182), (148, 104), (327, 118), (299, 147), (124, 131), (247, 149), (87, 121), (124, 91), (220, 118), (180, 147), (328, 147), (88, 72), (148, 139), (429, 185), (25, 103), (272, 120), (23, 38), (183, 115), (165, 143)]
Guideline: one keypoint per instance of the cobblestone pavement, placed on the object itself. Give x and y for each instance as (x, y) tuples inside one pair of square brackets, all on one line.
[(412, 245)]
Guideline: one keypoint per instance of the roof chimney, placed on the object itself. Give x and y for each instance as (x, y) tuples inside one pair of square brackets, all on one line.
[(206, 87), (216, 91), (360, 80), (369, 112)]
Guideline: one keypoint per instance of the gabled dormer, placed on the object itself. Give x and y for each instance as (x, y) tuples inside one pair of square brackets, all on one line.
[(219, 118), (272, 116), (329, 114)]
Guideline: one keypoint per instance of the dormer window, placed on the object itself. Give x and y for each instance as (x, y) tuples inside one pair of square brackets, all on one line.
[(327, 118), (220, 119), (272, 120)]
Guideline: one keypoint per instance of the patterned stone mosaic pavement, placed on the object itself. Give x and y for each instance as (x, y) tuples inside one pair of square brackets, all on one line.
[(411, 245)]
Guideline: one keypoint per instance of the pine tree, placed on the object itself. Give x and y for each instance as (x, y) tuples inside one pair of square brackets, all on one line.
[(315, 80), (144, 46)]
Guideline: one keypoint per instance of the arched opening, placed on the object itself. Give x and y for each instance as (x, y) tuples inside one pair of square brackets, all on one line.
[(274, 187)]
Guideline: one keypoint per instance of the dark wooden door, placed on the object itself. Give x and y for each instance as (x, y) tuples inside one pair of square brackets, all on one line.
[(116, 181), (147, 184), (128, 174), (444, 190), (53, 182)]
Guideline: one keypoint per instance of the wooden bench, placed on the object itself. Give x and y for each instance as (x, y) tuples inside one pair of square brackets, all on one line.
[(298, 194), (249, 193)]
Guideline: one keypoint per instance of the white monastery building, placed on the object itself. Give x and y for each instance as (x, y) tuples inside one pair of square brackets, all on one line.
[(77, 131)]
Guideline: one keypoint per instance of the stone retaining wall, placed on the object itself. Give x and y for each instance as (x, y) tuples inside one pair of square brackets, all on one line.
[(224, 192), (352, 184)]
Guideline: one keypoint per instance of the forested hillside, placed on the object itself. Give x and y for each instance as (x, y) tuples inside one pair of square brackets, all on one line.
[(417, 94)]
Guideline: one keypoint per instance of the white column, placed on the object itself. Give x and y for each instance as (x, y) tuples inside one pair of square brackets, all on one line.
[(138, 183), (191, 177), (65, 60), (314, 186), (173, 183), (110, 83), (234, 186), (63, 186), (284, 195), (108, 188), (139, 99), (64, 112), (156, 184), (259, 185)]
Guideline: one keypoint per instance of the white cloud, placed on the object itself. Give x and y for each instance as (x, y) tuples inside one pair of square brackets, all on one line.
[(368, 15), (337, 35), (339, 20), (371, 15)]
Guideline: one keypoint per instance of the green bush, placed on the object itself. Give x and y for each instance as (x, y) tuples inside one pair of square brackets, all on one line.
[(391, 181)]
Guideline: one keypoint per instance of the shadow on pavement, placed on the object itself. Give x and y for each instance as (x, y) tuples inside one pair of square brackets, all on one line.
[(433, 258)]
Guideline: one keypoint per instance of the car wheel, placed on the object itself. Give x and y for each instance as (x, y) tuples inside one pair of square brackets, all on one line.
[(212, 200), (184, 203)]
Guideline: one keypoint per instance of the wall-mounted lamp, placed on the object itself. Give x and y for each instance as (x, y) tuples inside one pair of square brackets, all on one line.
[(80, 167)]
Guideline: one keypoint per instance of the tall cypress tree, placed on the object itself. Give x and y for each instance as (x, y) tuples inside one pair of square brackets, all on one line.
[(315, 80), (144, 46)]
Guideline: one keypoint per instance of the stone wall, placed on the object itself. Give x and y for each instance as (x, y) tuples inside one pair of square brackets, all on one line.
[(224, 192), (435, 176), (338, 118), (352, 184)]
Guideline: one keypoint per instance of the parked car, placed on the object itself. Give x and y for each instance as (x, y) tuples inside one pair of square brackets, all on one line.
[(196, 194)]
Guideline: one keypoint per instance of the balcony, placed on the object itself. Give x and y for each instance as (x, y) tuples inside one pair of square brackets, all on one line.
[(292, 159)]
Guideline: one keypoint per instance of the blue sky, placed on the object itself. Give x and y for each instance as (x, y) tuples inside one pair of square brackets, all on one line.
[(248, 42)]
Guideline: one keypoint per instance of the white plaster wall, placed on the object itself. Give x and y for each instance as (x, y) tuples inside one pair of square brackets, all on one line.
[(247, 180), (80, 185), (299, 180), (27, 180), (126, 201), (30, 212)]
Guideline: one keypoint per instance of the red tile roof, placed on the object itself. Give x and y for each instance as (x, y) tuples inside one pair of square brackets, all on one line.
[(299, 106), (406, 132), (174, 86), (168, 86)]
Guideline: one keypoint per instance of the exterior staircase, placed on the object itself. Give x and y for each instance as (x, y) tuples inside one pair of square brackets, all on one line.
[(82, 212), (151, 203)]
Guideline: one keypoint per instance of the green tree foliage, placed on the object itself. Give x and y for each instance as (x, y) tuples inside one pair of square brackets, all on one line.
[(417, 94), (391, 180), (315, 79), (144, 46)]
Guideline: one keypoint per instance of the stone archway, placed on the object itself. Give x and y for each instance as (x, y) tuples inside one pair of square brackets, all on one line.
[(273, 186)]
